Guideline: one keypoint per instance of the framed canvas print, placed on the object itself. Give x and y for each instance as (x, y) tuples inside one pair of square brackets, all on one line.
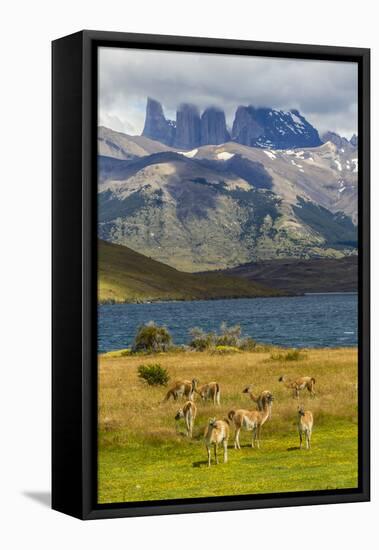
[(210, 274)]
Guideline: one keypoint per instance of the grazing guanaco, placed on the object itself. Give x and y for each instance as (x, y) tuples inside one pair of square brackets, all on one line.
[(182, 388), (210, 391), (250, 420), (215, 433), (258, 399), (188, 412), (298, 384), (305, 426)]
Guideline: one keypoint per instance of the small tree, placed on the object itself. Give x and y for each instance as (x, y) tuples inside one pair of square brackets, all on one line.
[(152, 338), (153, 374)]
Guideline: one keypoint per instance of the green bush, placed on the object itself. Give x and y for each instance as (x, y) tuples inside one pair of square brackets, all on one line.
[(200, 340), (291, 355), (226, 349), (153, 374), (248, 344), (229, 336), (152, 338)]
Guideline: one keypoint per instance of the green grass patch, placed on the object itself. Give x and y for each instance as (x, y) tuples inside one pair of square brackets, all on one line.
[(179, 470)]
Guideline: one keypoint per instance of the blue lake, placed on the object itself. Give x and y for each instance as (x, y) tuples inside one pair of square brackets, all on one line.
[(317, 320)]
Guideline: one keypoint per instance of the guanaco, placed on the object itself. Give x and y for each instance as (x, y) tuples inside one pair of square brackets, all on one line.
[(215, 433), (298, 384), (210, 391), (182, 388), (305, 426), (258, 399), (250, 420), (188, 412)]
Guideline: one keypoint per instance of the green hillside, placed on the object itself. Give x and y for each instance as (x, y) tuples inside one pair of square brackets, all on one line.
[(127, 276)]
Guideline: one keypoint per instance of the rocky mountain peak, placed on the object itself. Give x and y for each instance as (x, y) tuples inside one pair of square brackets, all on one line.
[(157, 127), (354, 140), (264, 127), (213, 127), (246, 129), (187, 126), (255, 127), (339, 141)]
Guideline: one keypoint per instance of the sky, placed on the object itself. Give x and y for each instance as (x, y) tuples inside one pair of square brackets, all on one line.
[(325, 92)]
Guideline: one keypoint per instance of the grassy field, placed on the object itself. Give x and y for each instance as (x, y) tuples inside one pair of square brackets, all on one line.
[(144, 455), (127, 276)]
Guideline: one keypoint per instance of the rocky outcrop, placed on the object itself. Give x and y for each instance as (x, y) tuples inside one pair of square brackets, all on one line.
[(354, 140), (267, 128), (156, 126), (273, 129), (245, 128), (339, 141), (213, 127), (187, 126)]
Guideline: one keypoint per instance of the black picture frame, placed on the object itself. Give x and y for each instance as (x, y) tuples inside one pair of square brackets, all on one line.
[(74, 314)]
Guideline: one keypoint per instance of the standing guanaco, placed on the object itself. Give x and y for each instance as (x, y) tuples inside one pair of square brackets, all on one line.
[(298, 384), (215, 433), (305, 426), (182, 388), (250, 420), (188, 412), (258, 399), (210, 391)]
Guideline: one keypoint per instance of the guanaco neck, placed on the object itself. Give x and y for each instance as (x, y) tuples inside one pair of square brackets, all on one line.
[(266, 412), (253, 397)]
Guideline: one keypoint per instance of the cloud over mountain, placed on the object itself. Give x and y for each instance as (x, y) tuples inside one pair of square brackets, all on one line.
[(324, 91)]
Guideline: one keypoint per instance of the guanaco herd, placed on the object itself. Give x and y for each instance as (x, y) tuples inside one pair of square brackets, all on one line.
[(217, 431)]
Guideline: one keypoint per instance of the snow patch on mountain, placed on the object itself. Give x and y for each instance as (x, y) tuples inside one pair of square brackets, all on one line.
[(270, 154), (189, 154), (224, 155)]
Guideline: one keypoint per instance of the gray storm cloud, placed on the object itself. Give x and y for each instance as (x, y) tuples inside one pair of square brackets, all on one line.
[(325, 92)]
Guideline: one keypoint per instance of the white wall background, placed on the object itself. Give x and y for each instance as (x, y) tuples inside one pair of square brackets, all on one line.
[(27, 29)]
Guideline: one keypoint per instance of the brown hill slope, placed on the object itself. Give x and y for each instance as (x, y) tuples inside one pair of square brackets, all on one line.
[(127, 276), (300, 276)]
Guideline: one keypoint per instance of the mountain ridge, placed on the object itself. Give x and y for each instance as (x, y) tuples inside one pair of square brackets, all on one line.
[(255, 127), (218, 206)]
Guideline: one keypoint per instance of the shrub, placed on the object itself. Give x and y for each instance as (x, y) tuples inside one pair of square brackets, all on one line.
[(153, 374), (229, 336), (226, 349), (200, 340), (152, 338), (248, 344), (291, 355)]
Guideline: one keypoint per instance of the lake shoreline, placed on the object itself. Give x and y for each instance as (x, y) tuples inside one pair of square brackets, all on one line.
[(328, 320), (126, 352), (213, 299)]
